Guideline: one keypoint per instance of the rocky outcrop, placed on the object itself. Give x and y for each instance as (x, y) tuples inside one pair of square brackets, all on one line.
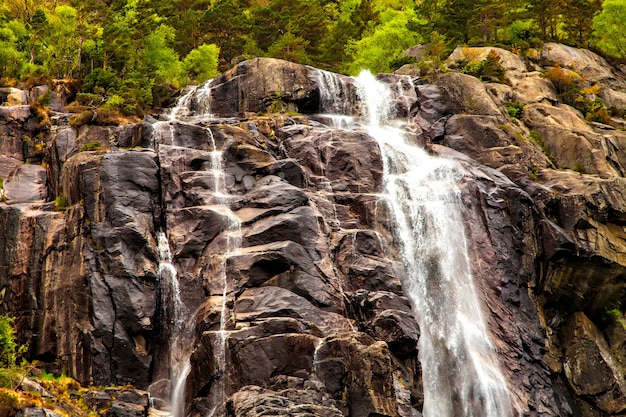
[(286, 263)]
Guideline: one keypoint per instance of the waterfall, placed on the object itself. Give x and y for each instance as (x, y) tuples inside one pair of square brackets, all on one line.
[(180, 341), (460, 368), (195, 102), (233, 244), (192, 106), (334, 95)]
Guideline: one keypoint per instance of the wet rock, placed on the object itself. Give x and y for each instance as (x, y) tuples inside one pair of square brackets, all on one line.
[(122, 409), (357, 374), (282, 264), (263, 302), (286, 259), (253, 401), (591, 369), (335, 161)]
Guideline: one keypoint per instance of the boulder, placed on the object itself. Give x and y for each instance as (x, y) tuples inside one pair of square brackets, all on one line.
[(508, 60), (10, 96), (591, 370), (263, 85)]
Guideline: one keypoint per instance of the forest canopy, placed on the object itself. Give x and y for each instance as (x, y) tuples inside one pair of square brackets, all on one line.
[(129, 53)]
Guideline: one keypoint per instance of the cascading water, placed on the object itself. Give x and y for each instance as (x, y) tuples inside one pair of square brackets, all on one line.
[(180, 346), (195, 106), (196, 101), (232, 246), (460, 369)]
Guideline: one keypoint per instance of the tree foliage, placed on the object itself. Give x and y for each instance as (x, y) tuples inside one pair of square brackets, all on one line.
[(10, 349), (610, 28), (131, 50)]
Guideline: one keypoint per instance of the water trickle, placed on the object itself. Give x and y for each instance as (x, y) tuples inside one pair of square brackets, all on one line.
[(232, 247), (460, 368), (180, 339), (192, 107), (315, 371), (334, 94), (195, 102)]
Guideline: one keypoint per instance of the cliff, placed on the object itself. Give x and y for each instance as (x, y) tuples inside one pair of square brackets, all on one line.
[(287, 291)]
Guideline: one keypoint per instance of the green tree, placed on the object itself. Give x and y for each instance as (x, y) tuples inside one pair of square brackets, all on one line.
[(578, 17), (302, 25), (228, 24), (290, 47), (350, 19), (13, 58), (10, 350), (160, 60), (201, 63), (609, 28), (460, 19), (384, 44), (63, 42), (546, 13)]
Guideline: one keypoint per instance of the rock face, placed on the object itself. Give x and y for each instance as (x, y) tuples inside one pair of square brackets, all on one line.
[(285, 257)]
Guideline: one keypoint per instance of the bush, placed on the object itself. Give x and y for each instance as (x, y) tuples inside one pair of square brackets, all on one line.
[(567, 83), (399, 62), (514, 108), (10, 350), (91, 146), (99, 81), (489, 69), (61, 203), (114, 102), (201, 63), (9, 403), (81, 118)]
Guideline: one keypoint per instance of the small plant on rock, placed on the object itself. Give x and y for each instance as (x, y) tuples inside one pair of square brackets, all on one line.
[(10, 352), (536, 137), (489, 69), (91, 146), (514, 108), (61, 203), (579, 168)]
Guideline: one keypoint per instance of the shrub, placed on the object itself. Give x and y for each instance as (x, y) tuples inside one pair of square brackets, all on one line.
[(514, 108), (9, 403), (100, 81), (81, 118), (61, 203), (567, 83), (114, 102), (611, 315), (579, 168), (91, 146), (399, 62), (10, 350), (89, 99), (489, 69), (44, 100)]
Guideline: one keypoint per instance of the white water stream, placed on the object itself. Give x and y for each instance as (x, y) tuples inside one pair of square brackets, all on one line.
[(460, 368), (232, 246), (192, 106), (180, 343)]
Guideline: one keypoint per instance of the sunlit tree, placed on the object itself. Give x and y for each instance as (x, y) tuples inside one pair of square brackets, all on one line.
[(609, 28)]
